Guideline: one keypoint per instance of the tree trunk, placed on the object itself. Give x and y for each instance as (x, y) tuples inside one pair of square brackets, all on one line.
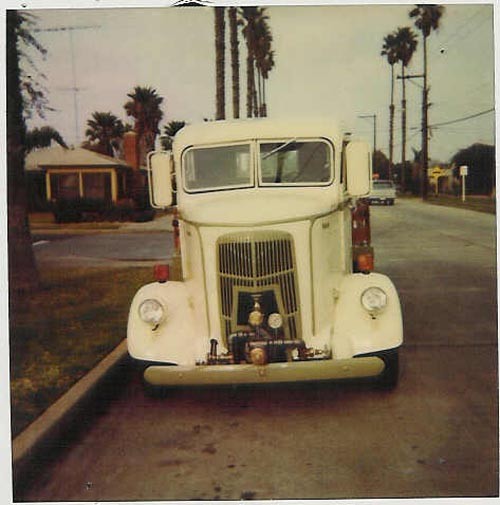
[(23, 272), (220, 90), (403, 133), (235, 61), (254, 96), (391, 125), (250, 81), (264, 105)]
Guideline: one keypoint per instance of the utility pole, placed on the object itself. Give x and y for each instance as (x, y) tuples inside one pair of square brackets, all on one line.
[(425, 127), (74, 88)]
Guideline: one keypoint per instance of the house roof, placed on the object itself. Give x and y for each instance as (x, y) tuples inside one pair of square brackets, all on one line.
[(58, 156)]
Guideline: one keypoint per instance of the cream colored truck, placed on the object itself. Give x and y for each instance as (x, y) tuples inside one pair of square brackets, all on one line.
[(268, 292)]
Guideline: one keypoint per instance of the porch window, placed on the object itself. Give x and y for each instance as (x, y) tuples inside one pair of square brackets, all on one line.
[(97, 185), (65, 186)]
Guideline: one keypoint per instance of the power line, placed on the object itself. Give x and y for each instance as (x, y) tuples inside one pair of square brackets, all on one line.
[(465, 118)]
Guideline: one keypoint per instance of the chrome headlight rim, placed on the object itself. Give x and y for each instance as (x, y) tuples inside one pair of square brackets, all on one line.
[(374, 300), (152, 311), (275, 321)]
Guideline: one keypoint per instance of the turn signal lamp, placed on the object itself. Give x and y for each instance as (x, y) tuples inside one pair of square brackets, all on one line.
[(161, 273)]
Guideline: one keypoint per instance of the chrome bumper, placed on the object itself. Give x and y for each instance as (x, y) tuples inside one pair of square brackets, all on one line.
[(261, 374)]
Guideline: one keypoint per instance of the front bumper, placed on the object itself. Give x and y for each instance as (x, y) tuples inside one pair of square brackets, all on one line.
[(300, 371)]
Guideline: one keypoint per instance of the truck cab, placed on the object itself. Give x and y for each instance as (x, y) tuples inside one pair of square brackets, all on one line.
[(271, 288)]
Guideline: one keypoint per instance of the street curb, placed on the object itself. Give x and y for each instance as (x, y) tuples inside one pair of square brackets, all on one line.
[(41, 435)]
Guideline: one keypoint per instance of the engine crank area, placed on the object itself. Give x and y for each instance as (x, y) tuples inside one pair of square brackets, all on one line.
[(259, 348)]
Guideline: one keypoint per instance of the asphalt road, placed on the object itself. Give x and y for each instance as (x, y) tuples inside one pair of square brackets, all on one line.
[(436, 435)]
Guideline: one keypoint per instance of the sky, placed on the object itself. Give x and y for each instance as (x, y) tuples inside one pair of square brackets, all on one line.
[(328, 63)]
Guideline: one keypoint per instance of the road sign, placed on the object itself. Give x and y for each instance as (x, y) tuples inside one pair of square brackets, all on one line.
[(464, 170)]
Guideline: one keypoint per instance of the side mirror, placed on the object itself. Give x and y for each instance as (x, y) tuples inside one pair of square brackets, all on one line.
[(160, 165), (359, 168)]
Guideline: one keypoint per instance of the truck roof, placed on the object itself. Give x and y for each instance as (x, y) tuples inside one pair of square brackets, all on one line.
[(250, 129)]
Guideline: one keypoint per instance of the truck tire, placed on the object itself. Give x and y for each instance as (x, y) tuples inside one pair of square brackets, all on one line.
[(388, 379)]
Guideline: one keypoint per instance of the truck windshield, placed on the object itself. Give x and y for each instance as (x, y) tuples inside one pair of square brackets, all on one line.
[(217, 168), (295, 162), (289, 162)]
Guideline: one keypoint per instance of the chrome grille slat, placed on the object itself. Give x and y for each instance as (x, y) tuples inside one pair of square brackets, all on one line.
[(256, 260)]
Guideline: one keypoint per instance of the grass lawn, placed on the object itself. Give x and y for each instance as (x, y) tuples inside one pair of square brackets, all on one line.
[(479, 203), (61, 332)]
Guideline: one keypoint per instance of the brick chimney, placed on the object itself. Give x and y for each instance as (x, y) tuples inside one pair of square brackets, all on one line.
[(131, 149)]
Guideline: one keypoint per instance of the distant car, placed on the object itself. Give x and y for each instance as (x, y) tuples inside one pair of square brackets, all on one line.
[(383, 192)]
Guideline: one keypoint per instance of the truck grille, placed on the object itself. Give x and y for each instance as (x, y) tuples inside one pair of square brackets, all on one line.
[(258, 262)]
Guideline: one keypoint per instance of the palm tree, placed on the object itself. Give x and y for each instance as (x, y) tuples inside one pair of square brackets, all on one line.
[(23, 272), (42, 137), (169, 133), (389, 50), (144, 107), (427, 19), (406, 45), (106, 129), (220, 75), (235, 60), (250, 16), (264, 59)]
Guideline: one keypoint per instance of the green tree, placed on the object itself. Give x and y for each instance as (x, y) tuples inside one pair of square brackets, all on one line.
[(144, 107), (381, 165), (220, 60), (389, 50), (104, 130), (23, 272), (405, 46), (427, 19), (169, 133), (480, 158), (43, 137)]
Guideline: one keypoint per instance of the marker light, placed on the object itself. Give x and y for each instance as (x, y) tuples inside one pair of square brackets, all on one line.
[(151, 311), (374, 300), (161, 273)]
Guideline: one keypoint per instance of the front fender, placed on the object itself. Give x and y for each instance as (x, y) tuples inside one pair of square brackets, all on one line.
[(355, 331), (177, 338)]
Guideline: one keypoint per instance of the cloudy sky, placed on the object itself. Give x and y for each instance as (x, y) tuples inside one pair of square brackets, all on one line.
[(327, 63)]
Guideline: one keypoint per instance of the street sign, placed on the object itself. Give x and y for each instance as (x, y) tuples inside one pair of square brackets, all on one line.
[(464, 170)]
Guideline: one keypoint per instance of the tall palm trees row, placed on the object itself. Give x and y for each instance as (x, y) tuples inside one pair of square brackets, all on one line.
[(104, 129), (399, 47), (259, 61)]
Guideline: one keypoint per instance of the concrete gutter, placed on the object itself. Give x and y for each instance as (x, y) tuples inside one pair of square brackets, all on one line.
[(46, 431)]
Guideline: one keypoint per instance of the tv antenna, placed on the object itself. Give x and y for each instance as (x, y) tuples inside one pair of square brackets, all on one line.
[(70, 29)]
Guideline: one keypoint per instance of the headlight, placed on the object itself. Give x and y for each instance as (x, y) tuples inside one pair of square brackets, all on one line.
[(374, 300), (151, 311), (275, 321)]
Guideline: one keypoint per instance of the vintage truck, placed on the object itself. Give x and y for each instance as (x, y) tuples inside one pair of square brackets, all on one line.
[(272, 289)]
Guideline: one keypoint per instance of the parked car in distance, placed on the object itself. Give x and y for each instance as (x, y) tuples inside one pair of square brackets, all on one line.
[(383, 192)]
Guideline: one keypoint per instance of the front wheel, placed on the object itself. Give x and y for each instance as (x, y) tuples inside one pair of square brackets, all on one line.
[(388, 379)]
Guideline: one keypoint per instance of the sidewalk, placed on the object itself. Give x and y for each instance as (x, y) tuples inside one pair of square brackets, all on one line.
[(42, 224)]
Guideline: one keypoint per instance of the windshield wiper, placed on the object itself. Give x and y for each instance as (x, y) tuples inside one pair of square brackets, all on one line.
[(279, 148)]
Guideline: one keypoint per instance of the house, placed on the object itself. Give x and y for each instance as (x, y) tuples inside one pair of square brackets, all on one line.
[(56, 173)]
